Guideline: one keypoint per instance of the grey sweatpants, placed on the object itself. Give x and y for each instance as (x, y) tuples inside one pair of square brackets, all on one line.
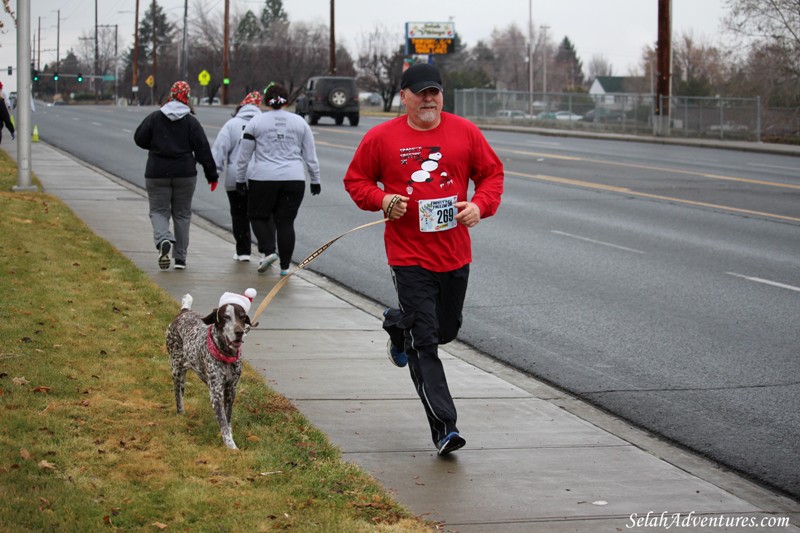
[(171, 198)]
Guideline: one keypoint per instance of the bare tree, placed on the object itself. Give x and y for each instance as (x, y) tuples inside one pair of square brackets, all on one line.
[(380, 63), (510, 47), (699, 68), (599, 66), (774, 23)]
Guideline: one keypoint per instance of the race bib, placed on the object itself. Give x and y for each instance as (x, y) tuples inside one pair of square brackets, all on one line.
[(437, 215)]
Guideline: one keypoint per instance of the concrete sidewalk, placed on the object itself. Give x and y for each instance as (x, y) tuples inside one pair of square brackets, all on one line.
[(536, 460)]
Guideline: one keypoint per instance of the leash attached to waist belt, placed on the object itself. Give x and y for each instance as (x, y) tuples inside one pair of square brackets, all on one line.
[(304, 263)]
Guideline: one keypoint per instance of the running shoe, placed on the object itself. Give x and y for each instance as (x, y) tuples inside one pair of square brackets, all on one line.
[(163, 254), (452, 442), (266, 262), (396, 356)]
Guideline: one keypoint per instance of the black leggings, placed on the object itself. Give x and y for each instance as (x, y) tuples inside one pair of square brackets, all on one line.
[(280, 201)]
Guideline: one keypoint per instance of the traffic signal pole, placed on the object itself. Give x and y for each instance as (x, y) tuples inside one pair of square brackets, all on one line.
[(24, 98)]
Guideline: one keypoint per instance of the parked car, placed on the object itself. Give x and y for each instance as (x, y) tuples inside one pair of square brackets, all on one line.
[(567, 115), (601, 114), (558, 115), (728, 127), (512, 114), (214, 101), (329, 96)]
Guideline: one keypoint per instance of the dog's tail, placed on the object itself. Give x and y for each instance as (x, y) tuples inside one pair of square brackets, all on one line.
[(186, 302)]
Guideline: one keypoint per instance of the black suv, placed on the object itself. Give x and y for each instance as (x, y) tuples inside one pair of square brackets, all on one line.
[(329, 96)]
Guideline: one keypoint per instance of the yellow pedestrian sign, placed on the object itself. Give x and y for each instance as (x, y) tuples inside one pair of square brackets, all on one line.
[(204, 77), (150, 81)]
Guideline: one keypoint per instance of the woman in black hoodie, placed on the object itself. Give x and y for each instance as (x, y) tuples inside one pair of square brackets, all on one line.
[(176, 142)]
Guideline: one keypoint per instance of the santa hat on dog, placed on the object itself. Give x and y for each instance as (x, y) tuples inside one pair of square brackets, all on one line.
[(241, 299)]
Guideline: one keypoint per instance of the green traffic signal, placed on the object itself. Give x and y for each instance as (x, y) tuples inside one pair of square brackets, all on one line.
[(226, 81), (35, 75), (80, 77), (55, 76)]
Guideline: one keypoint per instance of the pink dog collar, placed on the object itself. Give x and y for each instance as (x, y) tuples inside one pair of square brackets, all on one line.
[(217, 354)]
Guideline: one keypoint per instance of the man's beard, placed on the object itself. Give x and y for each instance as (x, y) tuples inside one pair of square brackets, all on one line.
[(427, 115)]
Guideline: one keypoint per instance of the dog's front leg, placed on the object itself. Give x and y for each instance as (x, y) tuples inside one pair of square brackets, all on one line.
[(217, 393)]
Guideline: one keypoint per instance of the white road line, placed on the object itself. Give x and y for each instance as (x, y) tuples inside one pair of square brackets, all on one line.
[(96, 124), (793, 169), (765, 281), (597, 242)]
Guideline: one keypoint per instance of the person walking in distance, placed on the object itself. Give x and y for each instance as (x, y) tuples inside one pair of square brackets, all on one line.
[(175, 142), (282, 148), (424, 161), (5, 115), (226, 153)]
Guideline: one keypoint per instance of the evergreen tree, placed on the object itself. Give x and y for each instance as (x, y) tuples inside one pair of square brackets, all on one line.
[(568, 67), (272, 12)]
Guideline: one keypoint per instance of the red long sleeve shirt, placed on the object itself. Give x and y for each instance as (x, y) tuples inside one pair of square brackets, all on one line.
[(434, 165)]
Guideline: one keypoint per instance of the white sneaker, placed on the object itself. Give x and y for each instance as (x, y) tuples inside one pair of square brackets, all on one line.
[(266, 262), (237, 257)]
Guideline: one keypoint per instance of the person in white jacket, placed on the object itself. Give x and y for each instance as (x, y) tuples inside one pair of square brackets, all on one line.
[(282, 148), (226, 152)]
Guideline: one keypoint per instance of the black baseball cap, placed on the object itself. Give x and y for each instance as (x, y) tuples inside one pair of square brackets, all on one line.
[(421, 76)]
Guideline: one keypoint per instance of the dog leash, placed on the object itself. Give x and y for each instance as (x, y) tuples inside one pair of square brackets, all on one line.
[(305, 262)]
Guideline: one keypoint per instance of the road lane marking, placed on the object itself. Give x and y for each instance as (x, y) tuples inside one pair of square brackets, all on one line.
[(765, 281), (792, 169), (624, 190), (332, 145), (654, 168), (587, 239)]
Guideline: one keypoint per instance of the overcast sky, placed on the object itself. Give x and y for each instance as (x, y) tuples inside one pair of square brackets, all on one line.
[(615, 29)]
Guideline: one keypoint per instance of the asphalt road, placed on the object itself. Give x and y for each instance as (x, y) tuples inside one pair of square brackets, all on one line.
[(661, 283)]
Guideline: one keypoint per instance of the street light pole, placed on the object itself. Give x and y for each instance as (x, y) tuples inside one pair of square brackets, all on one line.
[(134, 68)]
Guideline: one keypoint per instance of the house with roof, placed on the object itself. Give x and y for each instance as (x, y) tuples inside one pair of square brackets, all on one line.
[(612, 89)]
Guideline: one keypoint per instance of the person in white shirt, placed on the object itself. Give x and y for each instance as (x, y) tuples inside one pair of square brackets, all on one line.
[(282, 148)]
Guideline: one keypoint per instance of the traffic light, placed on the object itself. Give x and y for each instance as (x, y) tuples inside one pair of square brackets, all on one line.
[(10, 70), (226, 81), (55, 76), (35, 75), (80, 77)]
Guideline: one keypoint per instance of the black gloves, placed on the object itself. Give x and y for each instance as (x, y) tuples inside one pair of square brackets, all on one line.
[(316, 188), (241, 188)]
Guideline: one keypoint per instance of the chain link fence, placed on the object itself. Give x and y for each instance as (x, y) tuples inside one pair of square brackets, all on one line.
[(698, 117)]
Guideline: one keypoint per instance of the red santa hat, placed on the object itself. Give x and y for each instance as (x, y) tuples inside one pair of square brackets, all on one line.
[(241, 299)]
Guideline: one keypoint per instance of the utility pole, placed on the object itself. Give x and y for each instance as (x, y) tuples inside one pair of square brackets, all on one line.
[(134, 66), (530, 57), (96, 57), (39, 47), (155, 57), (544, 55), (332, 61), (225, 50), (58, 49), (664, 61), (185, 48)]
